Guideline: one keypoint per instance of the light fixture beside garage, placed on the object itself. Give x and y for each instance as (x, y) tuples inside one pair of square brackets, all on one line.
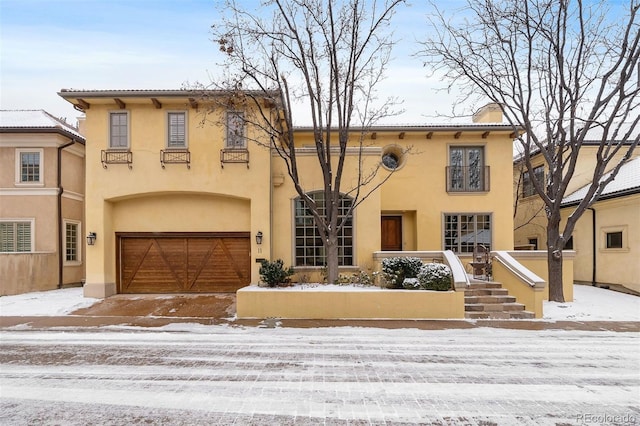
[(91, 238), (259, 238)]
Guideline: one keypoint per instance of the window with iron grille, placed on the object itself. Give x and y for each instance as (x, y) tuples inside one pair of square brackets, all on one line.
[(462, 232), (528, 188), (72, 245), (118, 130), (15, 237), (466, 171), (309, 250), (235, 130), (177, 132)]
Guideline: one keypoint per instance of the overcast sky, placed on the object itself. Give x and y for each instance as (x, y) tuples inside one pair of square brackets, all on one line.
[(48, 45)]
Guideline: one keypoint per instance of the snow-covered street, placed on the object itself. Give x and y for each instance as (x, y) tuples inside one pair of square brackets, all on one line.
[(188, 374)]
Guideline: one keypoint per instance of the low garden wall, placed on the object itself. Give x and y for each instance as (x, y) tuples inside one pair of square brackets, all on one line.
[(347, 302)]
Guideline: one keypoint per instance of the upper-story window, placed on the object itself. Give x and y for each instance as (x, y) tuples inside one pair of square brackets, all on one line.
[(528, 188), (16, 236), (235, 130), (466, 171), (177, 130), (29, 166), (118, 130)]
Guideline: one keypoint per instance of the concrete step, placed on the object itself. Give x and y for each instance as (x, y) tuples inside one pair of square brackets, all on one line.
[(483, 284), (487, 292), (489, 299)]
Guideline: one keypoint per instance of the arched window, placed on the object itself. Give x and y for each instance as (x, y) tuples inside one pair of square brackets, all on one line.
[(308, 243)]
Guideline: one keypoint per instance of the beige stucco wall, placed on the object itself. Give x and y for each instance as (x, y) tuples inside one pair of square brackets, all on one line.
[(147, 198), (613, 266), (38, 202)]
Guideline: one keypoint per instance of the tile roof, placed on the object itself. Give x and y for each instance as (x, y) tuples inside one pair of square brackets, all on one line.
[(34, 120), (627, 180)]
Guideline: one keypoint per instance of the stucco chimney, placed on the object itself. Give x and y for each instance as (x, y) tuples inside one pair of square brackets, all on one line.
[(490, 113)]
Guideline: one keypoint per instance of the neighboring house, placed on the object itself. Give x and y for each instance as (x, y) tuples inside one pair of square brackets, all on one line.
[(530, 221), (41, 202), (607, 237), (180, 203)]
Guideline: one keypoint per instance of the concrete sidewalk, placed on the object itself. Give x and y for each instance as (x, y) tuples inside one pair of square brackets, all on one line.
[(219, 309)]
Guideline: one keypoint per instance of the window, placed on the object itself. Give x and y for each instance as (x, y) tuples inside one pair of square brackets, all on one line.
[(176, 132), (466, 171), (528, 188), (15, 236), (533, 242), (235, 130), (118, 130), (568, 245), (462, 232), (29, 168), (72, 242), (309, 250), (614, 239)]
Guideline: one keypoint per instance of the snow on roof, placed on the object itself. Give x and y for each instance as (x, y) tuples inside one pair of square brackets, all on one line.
[(33, 120), (628, 178)]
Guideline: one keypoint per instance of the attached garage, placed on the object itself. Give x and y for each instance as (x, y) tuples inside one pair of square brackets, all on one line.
[(182, 262)]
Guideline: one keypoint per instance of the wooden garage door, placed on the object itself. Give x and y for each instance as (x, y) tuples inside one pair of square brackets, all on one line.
[(182, 263)]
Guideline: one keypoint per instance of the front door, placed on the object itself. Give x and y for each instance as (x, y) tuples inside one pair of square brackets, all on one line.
[(391, 233)]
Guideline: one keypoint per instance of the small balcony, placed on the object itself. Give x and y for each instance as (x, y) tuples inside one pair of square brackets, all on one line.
[(467, 179), (175, 156), (117, 156), (233, 155)]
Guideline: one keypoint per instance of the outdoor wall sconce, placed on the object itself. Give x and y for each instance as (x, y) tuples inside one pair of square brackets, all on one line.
[(91, 238), (259, 238)]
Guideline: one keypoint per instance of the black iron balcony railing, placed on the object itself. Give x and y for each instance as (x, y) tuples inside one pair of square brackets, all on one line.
[(467, 179), (233, 155), (117, 156), (175, 156)]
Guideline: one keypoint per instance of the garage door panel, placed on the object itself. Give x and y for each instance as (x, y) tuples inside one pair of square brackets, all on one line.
[(165, 264)]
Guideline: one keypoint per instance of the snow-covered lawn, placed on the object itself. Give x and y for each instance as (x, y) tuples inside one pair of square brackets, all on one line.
[(590, 304)]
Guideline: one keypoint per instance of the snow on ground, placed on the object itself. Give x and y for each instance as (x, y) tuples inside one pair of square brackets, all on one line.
[(590, 304)]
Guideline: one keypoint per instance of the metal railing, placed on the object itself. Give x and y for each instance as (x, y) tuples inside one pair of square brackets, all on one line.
[(231, 155), (116, 156), (175, 156)]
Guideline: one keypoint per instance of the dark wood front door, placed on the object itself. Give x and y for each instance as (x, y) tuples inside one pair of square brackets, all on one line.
[(391, 233), (183, 263)]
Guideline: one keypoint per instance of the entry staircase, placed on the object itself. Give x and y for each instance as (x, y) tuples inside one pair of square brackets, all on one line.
[(488, 300)]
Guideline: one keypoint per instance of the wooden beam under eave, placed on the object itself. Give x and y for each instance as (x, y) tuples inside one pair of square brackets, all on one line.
[(401, 135), (156, 103), (485, 134), (457, 135), (193, 103), (429, 135), (83, 104), (374, 135), (121, 104)]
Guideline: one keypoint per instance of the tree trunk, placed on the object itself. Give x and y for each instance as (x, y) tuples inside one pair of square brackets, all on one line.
[(331, 246), (554, 261)]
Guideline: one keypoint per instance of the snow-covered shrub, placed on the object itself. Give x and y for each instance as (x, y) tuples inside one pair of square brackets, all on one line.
[(411, 284), (360, 277), (435, 276), (274, 274), (396, 269)]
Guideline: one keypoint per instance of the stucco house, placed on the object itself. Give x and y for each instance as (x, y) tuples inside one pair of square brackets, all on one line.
[(607, 237), (41, 202), (185, 195), (530, 221)]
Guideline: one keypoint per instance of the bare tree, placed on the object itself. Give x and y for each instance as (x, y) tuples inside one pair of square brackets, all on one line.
[(563, 71), (328, 56)]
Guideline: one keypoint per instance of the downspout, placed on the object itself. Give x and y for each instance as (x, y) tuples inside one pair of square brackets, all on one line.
[(593, 245), (60, 230)]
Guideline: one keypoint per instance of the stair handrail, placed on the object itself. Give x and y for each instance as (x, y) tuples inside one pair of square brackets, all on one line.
[(518, 269), (459, 274)]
